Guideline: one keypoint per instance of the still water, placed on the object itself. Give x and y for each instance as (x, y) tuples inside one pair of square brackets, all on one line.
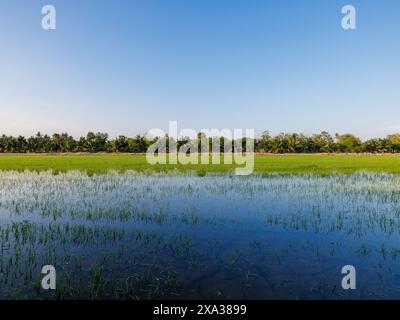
[(181, 236)]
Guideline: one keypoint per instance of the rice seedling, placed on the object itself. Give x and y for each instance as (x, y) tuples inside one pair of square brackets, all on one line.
[(158, 235)]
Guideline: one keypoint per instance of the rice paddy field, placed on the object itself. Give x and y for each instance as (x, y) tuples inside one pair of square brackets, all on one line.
[(115, 230), (285, 164)]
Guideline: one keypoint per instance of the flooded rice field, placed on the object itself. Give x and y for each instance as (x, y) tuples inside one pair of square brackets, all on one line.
[(181, 236)]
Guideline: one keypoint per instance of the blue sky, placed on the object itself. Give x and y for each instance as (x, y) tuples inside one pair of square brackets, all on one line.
[(129, 66)]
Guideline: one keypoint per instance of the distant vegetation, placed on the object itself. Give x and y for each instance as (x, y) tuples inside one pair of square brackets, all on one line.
[(282, 143)]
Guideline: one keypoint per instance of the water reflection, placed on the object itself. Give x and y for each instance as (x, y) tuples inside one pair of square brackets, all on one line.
[(138, 236)]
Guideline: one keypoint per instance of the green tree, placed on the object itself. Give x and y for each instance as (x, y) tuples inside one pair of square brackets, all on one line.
[(348, 143)]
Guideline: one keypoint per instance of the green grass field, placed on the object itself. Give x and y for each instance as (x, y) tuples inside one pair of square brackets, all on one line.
[(287, 164)]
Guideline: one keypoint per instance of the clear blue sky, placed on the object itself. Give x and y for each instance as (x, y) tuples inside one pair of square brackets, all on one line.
[(129, 66)]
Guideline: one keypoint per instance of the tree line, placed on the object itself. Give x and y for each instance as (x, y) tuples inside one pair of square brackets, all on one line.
[(281, 143)]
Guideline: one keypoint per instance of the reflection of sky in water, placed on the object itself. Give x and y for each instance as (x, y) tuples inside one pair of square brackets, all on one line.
[(256, 237)]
